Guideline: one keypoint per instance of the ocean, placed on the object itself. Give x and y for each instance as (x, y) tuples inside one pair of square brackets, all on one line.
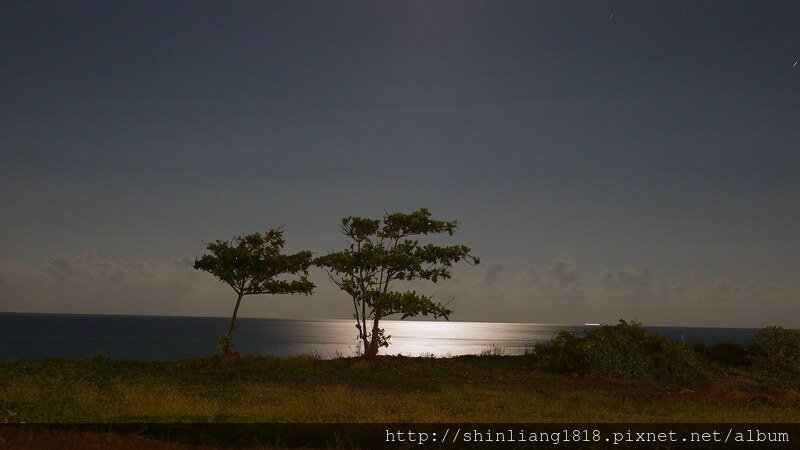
[(75, 336)]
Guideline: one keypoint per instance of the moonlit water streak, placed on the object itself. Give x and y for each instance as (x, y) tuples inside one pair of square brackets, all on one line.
[(35, 336)]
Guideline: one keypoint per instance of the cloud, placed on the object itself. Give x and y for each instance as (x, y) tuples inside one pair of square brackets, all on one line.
[(502, 281), (88, 268), (89, 283), (93, 284), (562, 291), (635, 284), (493, 273), (559, 291), (724, 290), (563, 271), (637, 280), (91, 269), (559, 279), (59, 267)]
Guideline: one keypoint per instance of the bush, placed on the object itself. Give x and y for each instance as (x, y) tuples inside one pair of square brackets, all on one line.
[(625, 350), (776, 349), (723, 353)]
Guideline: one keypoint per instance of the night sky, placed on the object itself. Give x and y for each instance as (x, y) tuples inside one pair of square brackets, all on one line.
[(606, 160)]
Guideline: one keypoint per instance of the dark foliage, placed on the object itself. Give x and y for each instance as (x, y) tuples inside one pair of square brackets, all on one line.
[(625, 350), (776, 349), (724, 353)]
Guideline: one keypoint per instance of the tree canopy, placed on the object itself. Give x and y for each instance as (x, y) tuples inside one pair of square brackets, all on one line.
[(382, 252)]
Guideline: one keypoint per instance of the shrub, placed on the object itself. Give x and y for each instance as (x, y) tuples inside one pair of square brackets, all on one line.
[(625, 350), (776, 349), (723, 353)]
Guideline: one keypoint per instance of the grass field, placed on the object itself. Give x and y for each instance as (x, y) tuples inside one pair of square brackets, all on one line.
[(348, 390), (389, 389)]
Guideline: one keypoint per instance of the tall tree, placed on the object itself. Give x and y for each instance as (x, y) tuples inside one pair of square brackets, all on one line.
[(253, 264), (382, 252)]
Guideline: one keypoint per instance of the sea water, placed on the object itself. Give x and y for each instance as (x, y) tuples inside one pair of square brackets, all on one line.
[(35, 336)]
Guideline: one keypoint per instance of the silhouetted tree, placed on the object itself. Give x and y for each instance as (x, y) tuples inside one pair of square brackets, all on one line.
[(383, 251), (252, 264)]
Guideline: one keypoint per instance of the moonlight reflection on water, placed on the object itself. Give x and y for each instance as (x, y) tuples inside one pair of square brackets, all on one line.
[(35, 336)]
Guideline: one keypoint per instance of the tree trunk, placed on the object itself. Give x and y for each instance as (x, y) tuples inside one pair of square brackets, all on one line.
[(365, 341), (374, 345), (235, 312), (372, 350)]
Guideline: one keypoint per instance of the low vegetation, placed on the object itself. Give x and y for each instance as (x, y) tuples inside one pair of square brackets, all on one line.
[(391, 389), (776, 349), (625, 350)]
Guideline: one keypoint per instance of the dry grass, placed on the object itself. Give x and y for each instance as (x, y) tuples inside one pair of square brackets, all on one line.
[(472, 389), (389, 390)]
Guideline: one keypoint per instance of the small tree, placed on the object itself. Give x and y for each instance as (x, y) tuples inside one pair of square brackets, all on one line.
[(383, 251), (252, 264)]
